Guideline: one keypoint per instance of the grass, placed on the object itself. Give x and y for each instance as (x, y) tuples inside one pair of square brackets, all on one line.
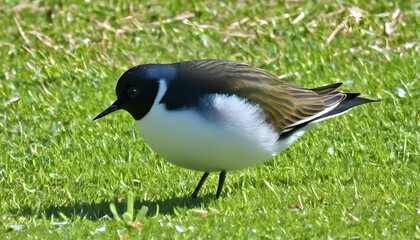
[(355, 177)]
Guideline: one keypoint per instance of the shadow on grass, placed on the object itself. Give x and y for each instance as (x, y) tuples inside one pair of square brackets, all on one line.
[(95, 211)]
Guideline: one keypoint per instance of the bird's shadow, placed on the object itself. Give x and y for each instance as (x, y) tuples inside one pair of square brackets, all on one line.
[(98, 211)]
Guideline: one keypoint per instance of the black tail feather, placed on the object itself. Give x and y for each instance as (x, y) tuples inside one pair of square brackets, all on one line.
[(327, 88), (351, 101)]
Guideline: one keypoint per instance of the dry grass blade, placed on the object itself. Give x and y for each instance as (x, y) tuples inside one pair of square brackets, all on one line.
[(299, 18), (43, 38), (390, 26), (356, 13), (180, 17), (336, 30), (105, 25), (296, 205), (408, 45), (19, 26)]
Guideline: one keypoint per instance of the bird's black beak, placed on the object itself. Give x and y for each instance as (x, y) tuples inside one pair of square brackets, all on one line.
[(115, 106)]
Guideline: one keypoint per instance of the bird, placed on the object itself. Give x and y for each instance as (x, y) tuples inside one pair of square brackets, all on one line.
[(213, 115)]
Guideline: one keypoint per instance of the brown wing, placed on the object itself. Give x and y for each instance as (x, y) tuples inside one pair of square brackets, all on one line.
[(283, 103)]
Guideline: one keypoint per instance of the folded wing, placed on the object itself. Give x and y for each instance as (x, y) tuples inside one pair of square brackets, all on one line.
[(286, 106)]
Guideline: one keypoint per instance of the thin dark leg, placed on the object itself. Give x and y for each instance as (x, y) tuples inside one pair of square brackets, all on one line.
[(200, 184), (222, 177)]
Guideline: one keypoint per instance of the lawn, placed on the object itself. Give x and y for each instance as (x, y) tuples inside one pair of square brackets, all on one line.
[(354, 177)]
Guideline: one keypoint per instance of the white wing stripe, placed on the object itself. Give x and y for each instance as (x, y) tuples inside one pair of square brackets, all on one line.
[(308, 119)]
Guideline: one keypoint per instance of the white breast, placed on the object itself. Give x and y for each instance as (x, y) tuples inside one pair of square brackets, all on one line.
[(231, 134)]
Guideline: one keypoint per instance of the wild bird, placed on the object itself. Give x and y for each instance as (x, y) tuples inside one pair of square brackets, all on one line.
[(216, 116)]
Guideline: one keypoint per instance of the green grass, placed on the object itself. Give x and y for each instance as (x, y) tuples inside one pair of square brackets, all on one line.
[(355, 177)]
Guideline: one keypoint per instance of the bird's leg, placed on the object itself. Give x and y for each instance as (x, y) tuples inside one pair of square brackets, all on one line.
[(200, 184), (222, 177)]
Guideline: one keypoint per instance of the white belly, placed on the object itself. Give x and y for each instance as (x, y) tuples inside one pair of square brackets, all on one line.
[(233, 136)]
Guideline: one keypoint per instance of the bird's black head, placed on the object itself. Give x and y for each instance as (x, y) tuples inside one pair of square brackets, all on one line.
[(137, 89)]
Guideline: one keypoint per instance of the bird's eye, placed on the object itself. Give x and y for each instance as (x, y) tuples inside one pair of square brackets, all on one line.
[(132, 92)]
